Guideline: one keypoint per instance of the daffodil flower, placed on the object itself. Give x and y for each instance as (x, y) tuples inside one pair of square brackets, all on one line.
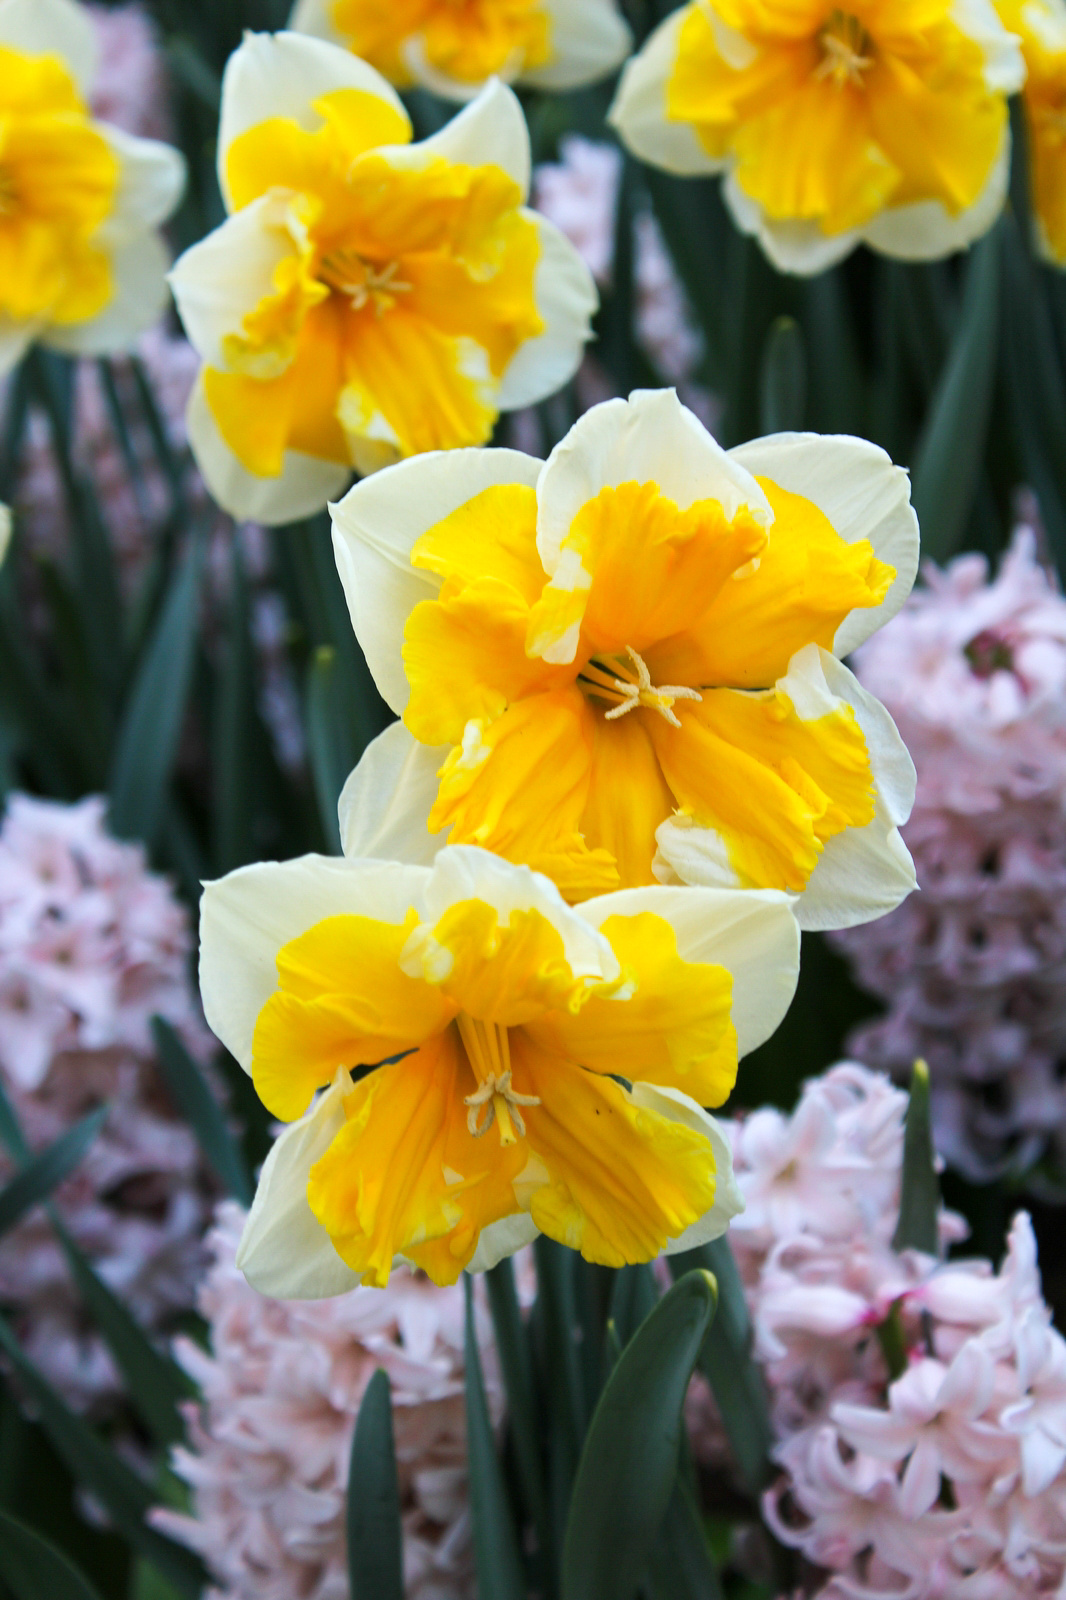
[(454, 49), (1042, 27), (368, 298), (82, 267), (622, 666), (466, 1061), (882, 121)]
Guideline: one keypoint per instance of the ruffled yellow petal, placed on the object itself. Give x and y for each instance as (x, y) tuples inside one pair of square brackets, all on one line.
[(343, 1001), (799, 591), (494, 535), (405, 1175), (468, 42), (519, 787), (643, 570), (622, 1180), (628, 797), (666, 1022), (775, 787), (280, 154)]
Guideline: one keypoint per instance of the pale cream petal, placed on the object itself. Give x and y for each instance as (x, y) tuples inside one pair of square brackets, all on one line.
[(245, 919), (375, 527), (314, 17), (798, 247), (649, 438), (282, 75), (385, 804), (151, 183), (927, 231), (893, 768), (139, 298), (285, 1251), (863, 495), (466, 872), (862, 874), (589, 39), (728, 1200), (500, 1239), (1004, 62), (690, 854), (638, 114), (567, 301), (305, 485), (750, 932), (227, 273), (491, 129), (53, 28), (15, 340), (5, 531)]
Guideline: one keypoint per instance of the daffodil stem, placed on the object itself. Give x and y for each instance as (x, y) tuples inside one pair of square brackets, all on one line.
[(891, 1338)]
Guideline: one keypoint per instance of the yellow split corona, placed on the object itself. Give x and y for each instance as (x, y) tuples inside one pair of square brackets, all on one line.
[(368, 298), (879, 121), (1042, 27)]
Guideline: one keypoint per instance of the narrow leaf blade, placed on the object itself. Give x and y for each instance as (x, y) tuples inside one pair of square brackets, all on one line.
[(201, 1110), (629, 1465), (375, 1534), (32, 1568), (45, 1172), (499, 1567), (920, 1193)]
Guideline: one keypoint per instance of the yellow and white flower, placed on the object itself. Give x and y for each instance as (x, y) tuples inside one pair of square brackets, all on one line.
[(455, 49), (623, 666), (368, 298), (82, 266), (1042, 27), (881, 121), (493, 1063)]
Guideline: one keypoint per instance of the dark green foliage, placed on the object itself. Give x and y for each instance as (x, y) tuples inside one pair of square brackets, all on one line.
[(375, 1537)]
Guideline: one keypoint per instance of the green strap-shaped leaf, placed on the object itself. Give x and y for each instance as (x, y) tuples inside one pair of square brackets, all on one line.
[(499, 1567), (682, 1566), (727, 1363), (331, 743), (233, 719), (920, 1191), (146, 745), (193, 1098), (946, 468), (783, 378), (375, 1534), (45, 1172), (95, 1465), (33, 1569), (629, 1465), (512, 1345)]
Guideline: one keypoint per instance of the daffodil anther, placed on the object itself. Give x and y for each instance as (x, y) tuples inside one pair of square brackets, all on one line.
[(634, 692)]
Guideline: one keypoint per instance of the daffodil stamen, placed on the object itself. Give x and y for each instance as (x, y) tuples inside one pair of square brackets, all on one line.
[(489, 1052), (350, 274), (631, 693), (847, 51)]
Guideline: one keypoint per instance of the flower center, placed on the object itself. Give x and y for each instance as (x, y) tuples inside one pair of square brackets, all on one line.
[(494, 1100), (627, 685), (847, 51), (363, 283), (988, 652)]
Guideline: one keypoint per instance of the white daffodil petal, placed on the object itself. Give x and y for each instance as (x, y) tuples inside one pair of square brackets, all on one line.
[(893, 768), (728, 1200), (223, 277), (501, 1239), (566, 298), (798, 247), (491, 130), (863, 495), (926, 231), (284, 1251), (385, 804), (862, 874), (750, 932), (1004, 62), (305, 484), (649, 438), (639, 111), (139, 297), (589, 39), (466, 872), (314, 17), (151, 183), (52, 28), (688, 853), (375, 527), (247, 917), (15, 340), (282, 75)]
